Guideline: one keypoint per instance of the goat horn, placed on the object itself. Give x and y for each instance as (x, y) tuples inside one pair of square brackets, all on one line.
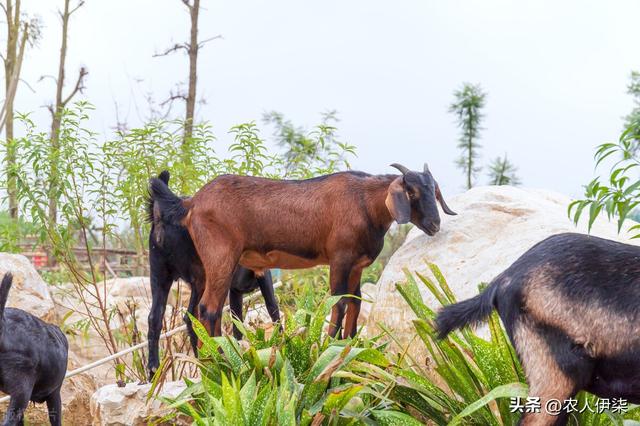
[(443, 204), (400, 167), (426, 168)]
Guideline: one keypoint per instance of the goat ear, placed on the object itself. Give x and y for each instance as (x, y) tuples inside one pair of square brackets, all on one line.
[(443, 204), (397, 202)]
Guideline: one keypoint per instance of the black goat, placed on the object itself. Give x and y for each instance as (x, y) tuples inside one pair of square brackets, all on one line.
[(571, 307), (172, 256), (33, 361)]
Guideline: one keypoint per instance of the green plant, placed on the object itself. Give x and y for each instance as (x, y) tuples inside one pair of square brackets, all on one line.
[(467, 107), (503, 172), (295, 376), (619, 194)]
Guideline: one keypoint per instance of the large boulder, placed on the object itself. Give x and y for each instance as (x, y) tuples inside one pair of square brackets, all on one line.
[(130, 405), (494, 226), (29, 292)]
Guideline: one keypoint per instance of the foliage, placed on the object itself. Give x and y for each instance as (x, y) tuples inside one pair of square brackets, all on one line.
[(301, 376), (503, 172), (619, 194), (309, 153), (467, 107), (295, 376)]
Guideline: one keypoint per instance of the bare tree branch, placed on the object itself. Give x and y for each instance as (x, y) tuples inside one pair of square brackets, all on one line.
[(22, 80), (79, 87), (207, 40), (172, 49)]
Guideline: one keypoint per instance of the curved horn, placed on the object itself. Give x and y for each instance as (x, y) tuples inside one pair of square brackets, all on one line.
[(426, 168), (443, 204), (400, 167)]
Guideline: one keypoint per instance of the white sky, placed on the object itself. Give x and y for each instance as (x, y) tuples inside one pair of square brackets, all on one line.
[(556, 73)]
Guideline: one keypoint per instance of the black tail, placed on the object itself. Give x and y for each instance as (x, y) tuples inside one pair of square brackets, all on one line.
[(171, 206), (4, 294), (163, 176), (471, 311)]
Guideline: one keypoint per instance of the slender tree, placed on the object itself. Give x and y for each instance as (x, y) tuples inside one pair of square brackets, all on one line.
[(467, 107), (503, 172), (192, 48), (20, 33), (61, 103)]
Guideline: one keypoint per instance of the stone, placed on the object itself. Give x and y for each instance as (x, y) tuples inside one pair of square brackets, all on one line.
[(29, 292), (129, 405), (494, 226)]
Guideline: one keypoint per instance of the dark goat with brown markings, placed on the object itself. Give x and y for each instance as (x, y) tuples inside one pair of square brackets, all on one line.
[(338, 220), (571, 307)]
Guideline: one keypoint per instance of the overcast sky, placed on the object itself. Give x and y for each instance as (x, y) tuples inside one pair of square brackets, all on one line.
[(555, 72)]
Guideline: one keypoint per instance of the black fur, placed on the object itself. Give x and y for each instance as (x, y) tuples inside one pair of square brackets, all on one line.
[(172, 256), (33, 361), (471, 311)]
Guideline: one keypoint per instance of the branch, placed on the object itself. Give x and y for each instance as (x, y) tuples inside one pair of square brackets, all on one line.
[(80, 4), (186, 3), (173, 97), (42, 77), (79, 85), (207, 40), (28, 85), (172, 49)]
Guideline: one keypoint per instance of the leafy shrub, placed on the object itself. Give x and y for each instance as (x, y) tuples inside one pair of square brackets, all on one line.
[(295, 376), (618, 194)]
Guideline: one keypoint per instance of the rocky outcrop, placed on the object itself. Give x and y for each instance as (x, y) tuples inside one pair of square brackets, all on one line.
[(130, 405), (29, 292), (494, 226)]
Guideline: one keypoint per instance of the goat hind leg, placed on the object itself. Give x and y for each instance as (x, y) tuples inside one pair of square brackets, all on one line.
[(556, 370), (196, 295), (54, 408)]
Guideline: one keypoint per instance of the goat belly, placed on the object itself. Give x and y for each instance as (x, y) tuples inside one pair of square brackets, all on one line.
[(257, 261)]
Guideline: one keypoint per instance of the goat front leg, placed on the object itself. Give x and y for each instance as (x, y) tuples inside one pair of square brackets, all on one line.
[(160, 287), (339, 284), (353, 303)]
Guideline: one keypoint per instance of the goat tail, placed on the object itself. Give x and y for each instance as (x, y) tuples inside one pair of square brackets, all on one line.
[(471, 311), (172, 208), (7, 280)]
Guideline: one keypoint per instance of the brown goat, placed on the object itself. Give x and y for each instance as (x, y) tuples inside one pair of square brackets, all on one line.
[(338, 220)]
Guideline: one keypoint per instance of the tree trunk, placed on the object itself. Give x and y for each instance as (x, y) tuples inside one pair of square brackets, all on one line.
[(12, 64), (55, 121), (194, 10)]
